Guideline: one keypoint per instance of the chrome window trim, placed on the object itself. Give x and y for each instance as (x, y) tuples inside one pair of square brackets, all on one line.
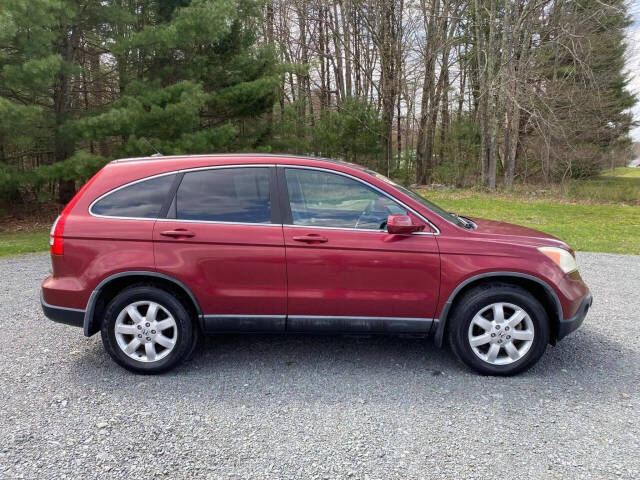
[(173, 172), (367, 184), (216, 222), (263, 165), (351, 229)]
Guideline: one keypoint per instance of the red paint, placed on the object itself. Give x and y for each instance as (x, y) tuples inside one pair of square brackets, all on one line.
[(359, 273), (402, 225), (278, 270), (231, 269)]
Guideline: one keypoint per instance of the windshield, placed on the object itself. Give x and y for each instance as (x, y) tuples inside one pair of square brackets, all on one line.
[(419, 198)]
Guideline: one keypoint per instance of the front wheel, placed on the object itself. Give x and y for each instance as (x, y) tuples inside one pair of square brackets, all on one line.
[(499, 329), (147, 330)]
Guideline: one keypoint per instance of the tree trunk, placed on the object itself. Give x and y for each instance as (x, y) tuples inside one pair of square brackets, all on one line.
[(64, 145)]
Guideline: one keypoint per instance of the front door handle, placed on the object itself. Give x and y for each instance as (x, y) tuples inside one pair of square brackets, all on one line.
[(178, 233), (311, 238)]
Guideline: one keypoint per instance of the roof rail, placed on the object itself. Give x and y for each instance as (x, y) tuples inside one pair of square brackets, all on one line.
[(235, 155)]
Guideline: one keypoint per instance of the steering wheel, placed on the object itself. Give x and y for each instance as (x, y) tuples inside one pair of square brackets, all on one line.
[(379, 205)]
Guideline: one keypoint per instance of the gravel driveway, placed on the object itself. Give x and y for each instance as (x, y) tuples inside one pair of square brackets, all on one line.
[(320, 407)]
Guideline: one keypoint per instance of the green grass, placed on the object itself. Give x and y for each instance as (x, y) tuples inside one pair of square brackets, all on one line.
[(14, 243), (626, 172), (593, 228), (621, 185)]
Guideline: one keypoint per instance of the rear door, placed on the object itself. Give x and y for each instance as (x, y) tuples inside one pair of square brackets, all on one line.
[(344, 271), (222, 238)]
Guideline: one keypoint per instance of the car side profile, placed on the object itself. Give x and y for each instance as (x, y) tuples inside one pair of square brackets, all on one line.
[(155, 252)]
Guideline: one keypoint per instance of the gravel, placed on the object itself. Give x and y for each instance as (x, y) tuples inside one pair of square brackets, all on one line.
[(320, 407)]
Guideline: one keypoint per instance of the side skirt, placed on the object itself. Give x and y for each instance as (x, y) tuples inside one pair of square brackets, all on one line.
[(316, 324)]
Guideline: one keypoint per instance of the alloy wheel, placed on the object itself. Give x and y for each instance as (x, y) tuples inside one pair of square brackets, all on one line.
[(145, 331), (501, 333)]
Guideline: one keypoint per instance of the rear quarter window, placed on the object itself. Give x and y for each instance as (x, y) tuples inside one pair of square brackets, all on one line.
[(142, 199)]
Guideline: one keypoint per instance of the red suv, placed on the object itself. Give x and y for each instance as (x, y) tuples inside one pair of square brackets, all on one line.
[(154, 252)]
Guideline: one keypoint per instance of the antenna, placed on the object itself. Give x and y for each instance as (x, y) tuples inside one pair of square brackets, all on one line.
[(157, 154)]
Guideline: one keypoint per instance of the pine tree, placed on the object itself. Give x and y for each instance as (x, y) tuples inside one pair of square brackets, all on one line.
[(584, 86), (200, 81)]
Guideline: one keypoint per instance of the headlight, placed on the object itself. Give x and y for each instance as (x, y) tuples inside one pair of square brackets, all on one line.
[(561, 257)]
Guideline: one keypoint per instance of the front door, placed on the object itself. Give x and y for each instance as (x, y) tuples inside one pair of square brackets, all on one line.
[(344, 271), (224, 239)]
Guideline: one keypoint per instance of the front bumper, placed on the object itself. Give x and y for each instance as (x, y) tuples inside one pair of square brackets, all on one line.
[(68, 316), (568, 325)]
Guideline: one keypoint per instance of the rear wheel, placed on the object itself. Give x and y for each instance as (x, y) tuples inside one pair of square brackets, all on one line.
[(147, 330), (499, 329)]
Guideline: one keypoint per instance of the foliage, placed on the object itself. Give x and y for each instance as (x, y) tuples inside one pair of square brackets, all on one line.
[(463, 147), (586, 90), (352, 132), (82, 82), (38, 182), (203, 78)]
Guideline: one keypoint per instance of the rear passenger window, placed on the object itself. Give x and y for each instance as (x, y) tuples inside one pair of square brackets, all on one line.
[(225, 195), (142, 199)]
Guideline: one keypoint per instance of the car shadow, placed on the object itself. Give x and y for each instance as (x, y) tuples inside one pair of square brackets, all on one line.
[(403, 371)]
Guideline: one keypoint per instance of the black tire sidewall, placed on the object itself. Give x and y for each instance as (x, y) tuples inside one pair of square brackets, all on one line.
[(475, 302), (184, 326)]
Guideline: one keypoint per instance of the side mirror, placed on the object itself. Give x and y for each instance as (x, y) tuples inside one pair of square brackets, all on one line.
[(402, 224)]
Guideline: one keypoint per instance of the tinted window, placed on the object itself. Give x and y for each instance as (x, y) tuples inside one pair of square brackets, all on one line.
[(419, 198), (225, 195), (140, 200), (330, 200)]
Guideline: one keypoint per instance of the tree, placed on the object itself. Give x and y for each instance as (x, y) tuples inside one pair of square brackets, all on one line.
[(201, 84)]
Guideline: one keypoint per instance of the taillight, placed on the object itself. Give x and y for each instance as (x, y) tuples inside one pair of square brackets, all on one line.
[(56, 239)]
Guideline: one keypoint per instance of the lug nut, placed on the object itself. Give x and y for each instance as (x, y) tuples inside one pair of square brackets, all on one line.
[(508, 337), (506, 328), (499, 341), (148, 324), (153, 331), (493, 334), (498, 327), (139, 327), (148, 338), (139, 335)]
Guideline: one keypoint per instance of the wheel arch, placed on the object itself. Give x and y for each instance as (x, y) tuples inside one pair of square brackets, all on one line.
[(540, 289), (113, 284)]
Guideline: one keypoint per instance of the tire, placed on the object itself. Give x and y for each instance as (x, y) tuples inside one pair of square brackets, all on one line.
[(476, 318), (128, 320)]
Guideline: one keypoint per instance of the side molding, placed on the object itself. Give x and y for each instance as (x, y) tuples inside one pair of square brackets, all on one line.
[(90, 329), (441, 323)]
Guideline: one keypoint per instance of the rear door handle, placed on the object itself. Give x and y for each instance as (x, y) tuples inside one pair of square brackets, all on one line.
[(311, 238), (178, 233)]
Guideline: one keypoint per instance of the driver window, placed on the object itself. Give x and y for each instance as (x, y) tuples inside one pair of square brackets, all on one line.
[(323, 199)]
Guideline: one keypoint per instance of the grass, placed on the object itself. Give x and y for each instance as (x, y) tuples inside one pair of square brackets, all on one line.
[(621, 185), (14, 243), (624, 172)]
